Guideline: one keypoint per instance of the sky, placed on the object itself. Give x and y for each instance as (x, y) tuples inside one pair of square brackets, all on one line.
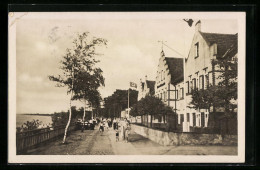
[(133, 50)]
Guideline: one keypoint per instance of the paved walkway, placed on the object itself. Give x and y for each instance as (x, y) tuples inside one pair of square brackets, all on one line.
[(92, 142), (121, 147)]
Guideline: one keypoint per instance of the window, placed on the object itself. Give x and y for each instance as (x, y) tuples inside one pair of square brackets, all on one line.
[(176, 94), (207, 81), (197, 50), (210, 79), (182, 118), (202, 119), (198, 116), (194, 84), (201, 82), (188, 87), (165, 96), (161, 96), (181, 93), (194, 119)]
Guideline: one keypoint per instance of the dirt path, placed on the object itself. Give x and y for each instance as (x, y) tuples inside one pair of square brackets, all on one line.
[(92, 142), (89, 142)]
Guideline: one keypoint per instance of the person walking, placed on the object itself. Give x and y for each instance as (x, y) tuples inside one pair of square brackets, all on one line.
[(106, 124), (117, 135), (127, 132), (124, 125), (101, 127), (114, 124)]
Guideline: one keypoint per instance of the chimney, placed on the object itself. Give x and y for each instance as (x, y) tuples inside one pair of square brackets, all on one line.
[(198, 26), (145, 77)]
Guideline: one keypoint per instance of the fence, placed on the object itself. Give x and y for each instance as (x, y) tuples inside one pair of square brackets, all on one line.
[(28, 139), (222, 126)]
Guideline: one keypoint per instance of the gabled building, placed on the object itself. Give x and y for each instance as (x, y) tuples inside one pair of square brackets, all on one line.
[(199, 71), (169, 85), (145, 88)]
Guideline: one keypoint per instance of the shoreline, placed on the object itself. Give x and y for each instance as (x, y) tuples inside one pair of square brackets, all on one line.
[(36, 114)]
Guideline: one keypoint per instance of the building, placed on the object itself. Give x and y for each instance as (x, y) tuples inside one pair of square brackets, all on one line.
[(199, 71), (145, 88), (169, 85), (125, 113)]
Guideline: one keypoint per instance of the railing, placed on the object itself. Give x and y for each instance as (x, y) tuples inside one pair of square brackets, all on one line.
[(26, 140)]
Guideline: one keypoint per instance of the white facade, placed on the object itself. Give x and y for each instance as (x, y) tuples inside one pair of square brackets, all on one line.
[(199, 72), (145, 88), (171, 94)]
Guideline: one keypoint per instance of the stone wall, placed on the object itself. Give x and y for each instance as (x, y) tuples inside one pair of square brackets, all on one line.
[(172, 138)]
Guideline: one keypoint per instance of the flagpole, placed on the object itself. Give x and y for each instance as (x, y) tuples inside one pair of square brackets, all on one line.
[(128, 102)]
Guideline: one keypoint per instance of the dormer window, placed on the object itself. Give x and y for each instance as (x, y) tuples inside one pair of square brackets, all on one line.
[(197, 50)]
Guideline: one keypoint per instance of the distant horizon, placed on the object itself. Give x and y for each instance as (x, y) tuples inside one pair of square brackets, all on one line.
[(32, 113)]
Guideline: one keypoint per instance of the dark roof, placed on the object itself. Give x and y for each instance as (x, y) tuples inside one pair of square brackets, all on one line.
[(223, 41), (150, 85), (232, 51), (175, 66)]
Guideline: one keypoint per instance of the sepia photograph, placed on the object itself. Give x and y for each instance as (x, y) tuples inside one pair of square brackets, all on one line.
[(126, 87)]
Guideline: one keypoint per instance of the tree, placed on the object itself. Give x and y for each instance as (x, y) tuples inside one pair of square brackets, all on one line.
[(32, 125), (150, 105), (77, 61), (87, 84), (223, 92), (61, 118), (118, 101)]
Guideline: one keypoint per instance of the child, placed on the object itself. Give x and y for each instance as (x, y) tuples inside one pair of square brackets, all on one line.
[(117, 135), (101, 128)]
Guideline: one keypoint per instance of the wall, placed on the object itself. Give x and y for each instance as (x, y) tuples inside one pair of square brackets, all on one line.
[(171, 138)]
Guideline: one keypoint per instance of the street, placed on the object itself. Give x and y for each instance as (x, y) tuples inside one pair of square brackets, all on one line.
[(92, 142)]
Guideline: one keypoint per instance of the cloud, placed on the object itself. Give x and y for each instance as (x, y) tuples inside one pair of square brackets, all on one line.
[(133, 51), (26, 78)]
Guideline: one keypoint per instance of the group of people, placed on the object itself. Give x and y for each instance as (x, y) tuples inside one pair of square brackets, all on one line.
[(121, 127), (102, 125), (124, 130)]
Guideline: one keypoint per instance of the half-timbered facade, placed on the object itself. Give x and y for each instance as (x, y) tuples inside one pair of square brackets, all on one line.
[(169, 86)]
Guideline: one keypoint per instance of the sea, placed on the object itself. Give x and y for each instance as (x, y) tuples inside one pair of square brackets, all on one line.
[(22, 118)]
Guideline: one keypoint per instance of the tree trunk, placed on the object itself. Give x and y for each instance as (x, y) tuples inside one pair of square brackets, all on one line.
[(84, 114), (147, 120), (91, 111), (164, 117), (67, 126), (151, 121)]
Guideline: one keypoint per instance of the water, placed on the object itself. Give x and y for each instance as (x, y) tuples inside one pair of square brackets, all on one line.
[(21, 119)]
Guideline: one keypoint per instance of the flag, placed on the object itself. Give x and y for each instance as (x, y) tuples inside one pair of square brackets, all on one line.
[(189, 21), (132, 84)]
